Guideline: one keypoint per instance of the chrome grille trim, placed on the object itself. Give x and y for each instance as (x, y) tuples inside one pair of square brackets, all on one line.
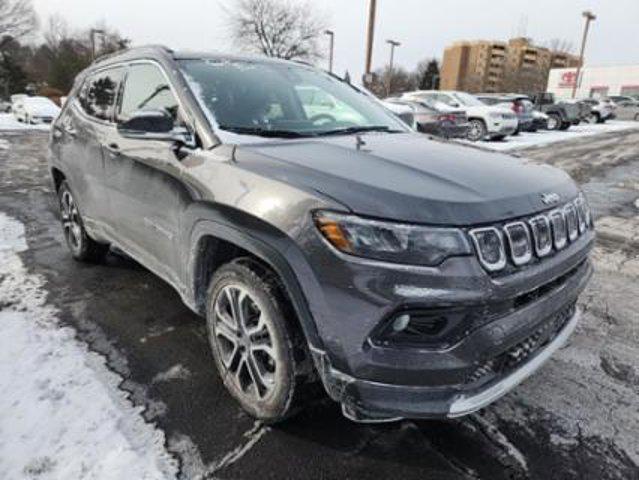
[(541, 251), (562, 225), (572, 223), (523, 259), (491, 267), (559, 233), (580, 205)]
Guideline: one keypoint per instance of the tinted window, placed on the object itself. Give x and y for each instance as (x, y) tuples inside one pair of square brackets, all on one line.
[(99, 93), (146, 88)]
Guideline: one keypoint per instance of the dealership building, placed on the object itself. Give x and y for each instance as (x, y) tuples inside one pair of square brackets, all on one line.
[(595, 81)]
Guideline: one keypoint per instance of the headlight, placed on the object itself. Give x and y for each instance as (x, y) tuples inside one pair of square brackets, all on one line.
[(389, 241)]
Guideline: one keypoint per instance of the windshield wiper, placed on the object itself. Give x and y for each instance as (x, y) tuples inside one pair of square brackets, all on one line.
[(265, 132), (359, 129)]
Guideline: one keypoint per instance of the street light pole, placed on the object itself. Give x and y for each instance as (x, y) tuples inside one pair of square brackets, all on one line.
[(331, 36), (589, 16), (392, 44), (370, 35), (93, 32)]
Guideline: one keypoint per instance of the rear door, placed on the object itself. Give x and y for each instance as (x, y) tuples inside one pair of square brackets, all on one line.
[(85, 128)]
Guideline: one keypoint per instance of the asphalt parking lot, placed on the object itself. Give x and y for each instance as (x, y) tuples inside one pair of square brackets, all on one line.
[(577, 418)]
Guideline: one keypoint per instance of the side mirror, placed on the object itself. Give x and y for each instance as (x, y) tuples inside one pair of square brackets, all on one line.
[(154, 125), (144, 122)]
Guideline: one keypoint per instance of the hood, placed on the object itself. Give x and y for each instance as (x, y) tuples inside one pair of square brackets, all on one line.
[(409, 177)]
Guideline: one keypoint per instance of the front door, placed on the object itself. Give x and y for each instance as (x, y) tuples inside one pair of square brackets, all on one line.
[(146, 195)]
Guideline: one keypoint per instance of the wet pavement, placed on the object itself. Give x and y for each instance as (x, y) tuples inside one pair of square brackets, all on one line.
[(577, 418)]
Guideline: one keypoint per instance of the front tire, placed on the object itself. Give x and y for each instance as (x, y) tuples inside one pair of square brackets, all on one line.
[(554, 121), (476, 130), (83, 248), (258, 349)]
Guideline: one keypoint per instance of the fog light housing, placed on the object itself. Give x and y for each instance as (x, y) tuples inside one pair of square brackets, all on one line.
[(423, 328)]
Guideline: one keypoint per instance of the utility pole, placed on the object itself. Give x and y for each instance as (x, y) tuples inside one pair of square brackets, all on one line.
[(392, 44), (331, 36), (93, 33), (370, 36), (589, 16)]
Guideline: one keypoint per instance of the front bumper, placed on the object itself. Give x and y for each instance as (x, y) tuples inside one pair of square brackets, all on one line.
[(378, 383)]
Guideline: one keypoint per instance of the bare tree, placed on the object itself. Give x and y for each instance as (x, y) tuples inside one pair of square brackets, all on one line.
[(277, 28), (17, 19)]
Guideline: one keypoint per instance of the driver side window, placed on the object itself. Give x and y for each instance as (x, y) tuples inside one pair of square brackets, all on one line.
[(146, 88)]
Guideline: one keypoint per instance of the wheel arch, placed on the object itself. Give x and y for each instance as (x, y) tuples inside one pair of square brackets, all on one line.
[(214, 243)]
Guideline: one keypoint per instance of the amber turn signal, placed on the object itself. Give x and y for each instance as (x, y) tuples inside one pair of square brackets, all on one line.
[(334, 234)]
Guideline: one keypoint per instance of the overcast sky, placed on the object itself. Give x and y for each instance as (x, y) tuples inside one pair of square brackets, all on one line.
[(424, 27)]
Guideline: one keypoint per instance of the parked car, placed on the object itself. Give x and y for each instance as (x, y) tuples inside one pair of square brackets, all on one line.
[(622, 100), (601, 110), (35, 110), (627, 111), (410, 278), (540, 120), (585, 110), (428, 119), (519, 104), (560, 114), (405, 112), (485, 122), (5, 106), (17, 96)]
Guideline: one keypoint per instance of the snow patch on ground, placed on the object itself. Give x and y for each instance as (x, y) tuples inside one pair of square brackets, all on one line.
[(63, 415), (176, 372), (545, 137), (9, 122)]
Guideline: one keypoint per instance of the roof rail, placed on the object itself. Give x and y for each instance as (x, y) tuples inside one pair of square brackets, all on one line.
[(107, 56)]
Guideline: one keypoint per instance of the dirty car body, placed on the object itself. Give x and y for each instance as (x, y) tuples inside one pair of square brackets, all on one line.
[(428, 278)]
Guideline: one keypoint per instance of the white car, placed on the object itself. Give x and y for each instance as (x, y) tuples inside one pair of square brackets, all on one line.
[(35, 110), (602, 109), (485, 122)]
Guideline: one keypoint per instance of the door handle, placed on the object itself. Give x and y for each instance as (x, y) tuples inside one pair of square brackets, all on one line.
[(113, 149)]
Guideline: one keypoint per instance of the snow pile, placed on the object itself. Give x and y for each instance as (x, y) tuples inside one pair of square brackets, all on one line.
[(545, 137), (63, 416), (9, 122)]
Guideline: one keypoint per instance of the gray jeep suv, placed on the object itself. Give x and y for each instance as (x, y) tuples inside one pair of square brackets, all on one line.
[(330, 246)]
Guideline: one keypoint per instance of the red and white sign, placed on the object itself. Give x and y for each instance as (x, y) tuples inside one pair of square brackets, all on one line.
[(567, 80)]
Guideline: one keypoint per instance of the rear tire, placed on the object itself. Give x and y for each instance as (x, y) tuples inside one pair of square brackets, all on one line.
[(565, 126), (83, 248), (259, 350), (476, 130), (593, 118)]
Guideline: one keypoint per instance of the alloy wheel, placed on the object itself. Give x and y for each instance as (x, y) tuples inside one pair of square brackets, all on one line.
[(475, 131), (245, 342), (71, 221)]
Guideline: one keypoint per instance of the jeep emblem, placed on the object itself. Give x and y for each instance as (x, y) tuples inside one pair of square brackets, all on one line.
[(550, 198)]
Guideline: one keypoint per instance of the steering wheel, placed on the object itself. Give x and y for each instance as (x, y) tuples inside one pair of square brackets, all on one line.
[(322, 119)]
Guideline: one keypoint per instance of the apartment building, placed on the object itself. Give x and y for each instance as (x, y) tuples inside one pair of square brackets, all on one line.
[(495, 66)]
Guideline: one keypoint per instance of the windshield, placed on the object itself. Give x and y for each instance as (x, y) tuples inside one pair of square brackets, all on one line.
[(282, 99), (468, 100)]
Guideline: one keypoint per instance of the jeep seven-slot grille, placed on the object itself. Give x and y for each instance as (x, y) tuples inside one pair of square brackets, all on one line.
[(538, 236)]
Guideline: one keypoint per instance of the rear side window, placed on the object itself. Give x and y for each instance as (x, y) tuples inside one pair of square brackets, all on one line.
[(146, 88), (99, 93)]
